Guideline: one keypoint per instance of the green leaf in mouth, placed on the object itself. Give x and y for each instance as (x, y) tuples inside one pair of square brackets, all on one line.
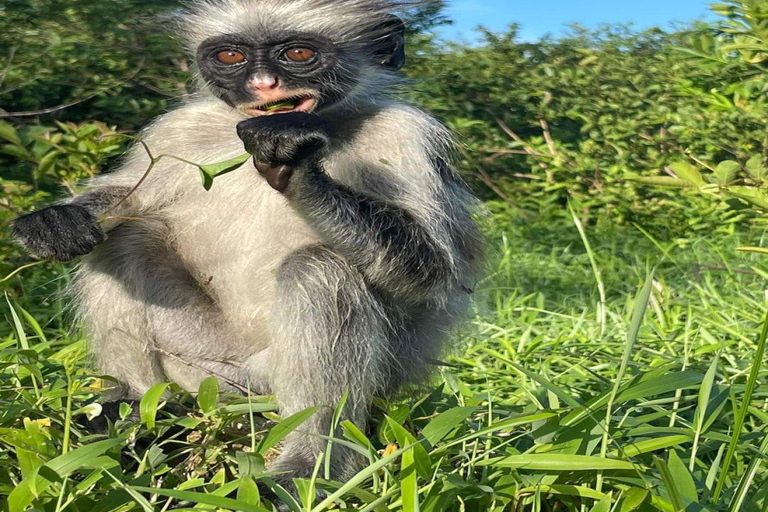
[(280, 106)]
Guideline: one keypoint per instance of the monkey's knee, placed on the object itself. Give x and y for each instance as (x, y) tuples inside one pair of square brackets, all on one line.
[(322, 298), (317, 270), (334, 333)]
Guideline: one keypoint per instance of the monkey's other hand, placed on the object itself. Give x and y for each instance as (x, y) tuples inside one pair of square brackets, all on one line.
[(60, 232), (280, 143)]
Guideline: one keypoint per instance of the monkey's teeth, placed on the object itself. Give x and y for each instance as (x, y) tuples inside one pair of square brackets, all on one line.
[(294, 104)]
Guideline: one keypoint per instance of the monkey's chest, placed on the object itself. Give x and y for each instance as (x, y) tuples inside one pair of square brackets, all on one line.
[(233, 245)]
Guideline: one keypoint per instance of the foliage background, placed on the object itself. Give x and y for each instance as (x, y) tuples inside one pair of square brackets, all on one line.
[(600, 155)]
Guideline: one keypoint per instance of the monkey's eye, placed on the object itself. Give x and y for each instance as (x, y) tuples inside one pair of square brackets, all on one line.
[(230, 57), (300, 54)]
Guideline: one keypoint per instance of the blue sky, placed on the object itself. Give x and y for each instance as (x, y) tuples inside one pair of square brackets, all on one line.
[(538, 17)]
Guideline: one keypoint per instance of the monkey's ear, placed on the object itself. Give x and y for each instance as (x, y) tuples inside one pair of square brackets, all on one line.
[(389, 48)]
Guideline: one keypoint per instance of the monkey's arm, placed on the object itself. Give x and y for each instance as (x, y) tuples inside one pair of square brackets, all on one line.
[(385, 241), (414, 257), (71, 228)]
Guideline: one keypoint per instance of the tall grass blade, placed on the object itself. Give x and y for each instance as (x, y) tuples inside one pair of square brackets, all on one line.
[(741, 414), (638, 313)]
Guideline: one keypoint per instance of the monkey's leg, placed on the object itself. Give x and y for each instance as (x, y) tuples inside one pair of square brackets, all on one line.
[(332, 337), (149, 321)]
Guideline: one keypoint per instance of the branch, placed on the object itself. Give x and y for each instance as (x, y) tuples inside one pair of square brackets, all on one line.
[(548, 136), (516, 137), (50, 110), (489, 182)]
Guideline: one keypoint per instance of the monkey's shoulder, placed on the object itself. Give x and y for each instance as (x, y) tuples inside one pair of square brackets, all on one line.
[(404, 124), (202, 121)]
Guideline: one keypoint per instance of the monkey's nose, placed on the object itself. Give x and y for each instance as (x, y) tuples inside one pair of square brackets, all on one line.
[(264, 82)]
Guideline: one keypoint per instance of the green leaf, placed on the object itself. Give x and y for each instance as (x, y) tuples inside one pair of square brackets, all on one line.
[(662, 384), (249, 463), (688, 172), (409, 486), (705, 391), (669, 481), (47, 161), (358, 479), (604, 505), (663, 181), (749, 195), (282, 429), (148, 404), (248, 491), (631, 499), (755, 167), (442, 424), (9, 133), (418, 454), (354, 434), (561, 394), (558, 462), (65, 464), (208, 394), (19, 328), (509, 423), (203, 498), (758, 250), (19, 152), (727, 171), (209, 171), (251, 407), (565, 490), (743, 408), (56, 469), (651, 445), (683, 479)]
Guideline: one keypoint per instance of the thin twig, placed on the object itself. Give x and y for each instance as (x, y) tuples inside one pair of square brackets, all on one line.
[(210, 372), (50, 110), (516, 137), (548, 136), (489, 182), (152, 162)]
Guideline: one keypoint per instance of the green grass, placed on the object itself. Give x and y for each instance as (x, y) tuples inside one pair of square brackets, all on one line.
[(567, 394)]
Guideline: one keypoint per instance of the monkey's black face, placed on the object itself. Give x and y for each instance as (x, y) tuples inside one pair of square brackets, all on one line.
[(298, 73)]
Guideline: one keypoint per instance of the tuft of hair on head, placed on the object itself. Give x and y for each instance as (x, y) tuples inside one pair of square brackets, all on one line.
[(346, 22)]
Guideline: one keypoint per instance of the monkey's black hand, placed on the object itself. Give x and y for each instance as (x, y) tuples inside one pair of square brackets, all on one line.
[(58, 232), (282, 142)]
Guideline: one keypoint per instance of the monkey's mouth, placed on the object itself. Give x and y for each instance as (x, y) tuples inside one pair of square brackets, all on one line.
[(298, 103)]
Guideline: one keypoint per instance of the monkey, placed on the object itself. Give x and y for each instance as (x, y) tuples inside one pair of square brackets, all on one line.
[(335, 262)]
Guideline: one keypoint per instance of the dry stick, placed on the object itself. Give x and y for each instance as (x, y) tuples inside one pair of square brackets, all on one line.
[(229, 381), (489, 182), (530, 151), (500, 152), (548, 136), (506, 129)]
